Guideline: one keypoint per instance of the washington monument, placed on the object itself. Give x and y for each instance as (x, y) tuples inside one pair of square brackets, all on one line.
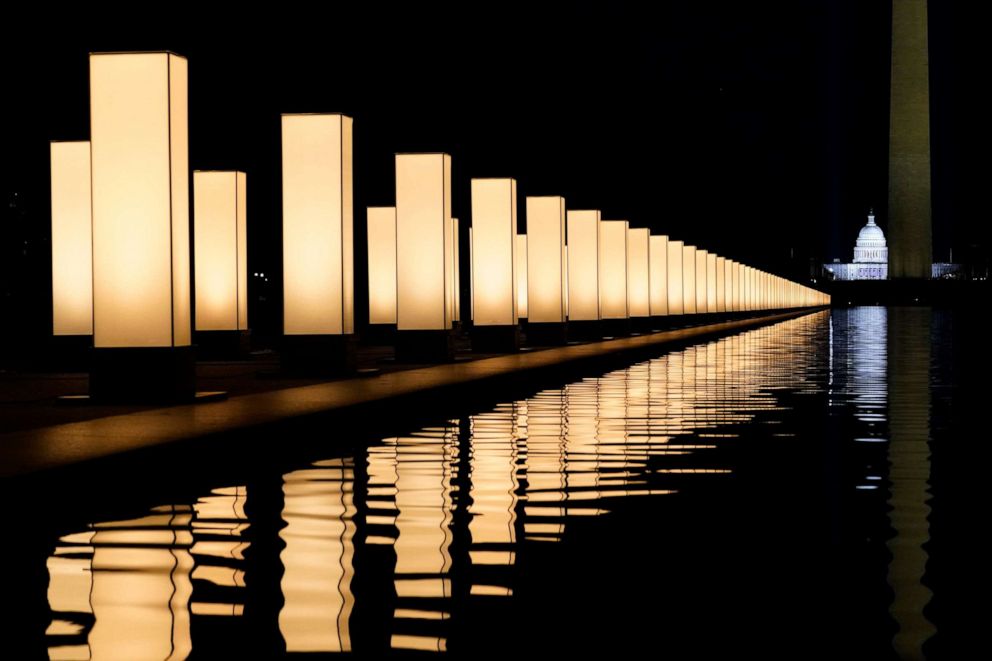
[(910, 243)]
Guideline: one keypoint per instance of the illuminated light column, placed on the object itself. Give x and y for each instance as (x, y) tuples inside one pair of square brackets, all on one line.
[(735, 287), (711, 285), (639, 273), (471, 277), (702, 285), (72, 240), (140, 193), (689, 279), (720, 275), (424, 278), (220, 263), (658, 275), (456, 273), (676, 298), (521, 276), (728, 285), (381, 233), (613, 277), (317, 243), (546, 270), (583, 229), (494, 227)]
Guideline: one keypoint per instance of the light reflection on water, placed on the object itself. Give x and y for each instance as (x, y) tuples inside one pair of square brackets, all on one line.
[(447, 511)]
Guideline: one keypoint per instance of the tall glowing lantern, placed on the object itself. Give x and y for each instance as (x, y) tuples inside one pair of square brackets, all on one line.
[(735, 287), (494, 227), (711, 291), (220, 261), (317, 243), (676, 297), (639, 272), (381, 232), (724, 267), (702, 291), (522, 276), (72, 247), (720, 276), (425, 280), (613, 274), (546, 270), (689, 279), (658, 276), (140, 195), (583, 272), (456, 292)]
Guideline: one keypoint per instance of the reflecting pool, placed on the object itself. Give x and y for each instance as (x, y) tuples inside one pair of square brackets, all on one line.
[(767, 493)]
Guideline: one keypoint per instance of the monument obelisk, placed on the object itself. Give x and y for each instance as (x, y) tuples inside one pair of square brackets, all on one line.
[(910, 242)]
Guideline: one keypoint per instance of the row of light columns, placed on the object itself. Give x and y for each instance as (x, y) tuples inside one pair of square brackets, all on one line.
[(122, 263)]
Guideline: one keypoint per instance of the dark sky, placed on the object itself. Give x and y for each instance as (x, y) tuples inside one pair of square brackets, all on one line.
[(757, 130)]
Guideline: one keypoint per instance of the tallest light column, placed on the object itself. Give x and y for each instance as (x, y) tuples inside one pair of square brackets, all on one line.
[(910, 253), (140, 197)]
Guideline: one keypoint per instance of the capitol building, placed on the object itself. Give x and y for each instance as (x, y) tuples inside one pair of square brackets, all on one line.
[(871, 256)]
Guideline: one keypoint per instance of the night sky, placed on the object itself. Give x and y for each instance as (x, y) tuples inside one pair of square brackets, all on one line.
[(756, 130)]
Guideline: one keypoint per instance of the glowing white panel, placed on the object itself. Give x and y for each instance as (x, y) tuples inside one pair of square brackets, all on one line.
[(720, 279), (220, 249), (317, 216), (658, 277), (728, 285), (72, 239), (711, 291), (676, 286), (494, 231), (457, 273), (689, 279), (702, 289), (583, 265), (565, 283), (613, 269), (382, 264), (546, 263), (423, 242), (522, 276), (140, 196), (639, 272), (471, 277), (735, 290)]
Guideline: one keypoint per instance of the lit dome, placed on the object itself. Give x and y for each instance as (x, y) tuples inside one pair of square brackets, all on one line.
[(871, 247)]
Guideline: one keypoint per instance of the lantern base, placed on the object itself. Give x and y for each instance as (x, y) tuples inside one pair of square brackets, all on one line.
[(641, 325), (321, 355), (616, 327), (70, 353), (547, 334), (143, 375), (425, 346), (495, 339), (379, 334), (585, 331), (222, 345)]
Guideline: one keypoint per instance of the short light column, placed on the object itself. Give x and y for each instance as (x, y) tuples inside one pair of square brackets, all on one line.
[(381, 240), (584, 317), (658, 280), (639, 278), (613, 301), (220, 264), (425, 279), (72, 254), (495, 327), (547, 281)]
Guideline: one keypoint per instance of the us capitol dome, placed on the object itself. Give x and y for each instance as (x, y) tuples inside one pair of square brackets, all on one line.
[(871, 256)]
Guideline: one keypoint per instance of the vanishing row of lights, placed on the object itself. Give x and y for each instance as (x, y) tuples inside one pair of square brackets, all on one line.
[(120, 237)]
